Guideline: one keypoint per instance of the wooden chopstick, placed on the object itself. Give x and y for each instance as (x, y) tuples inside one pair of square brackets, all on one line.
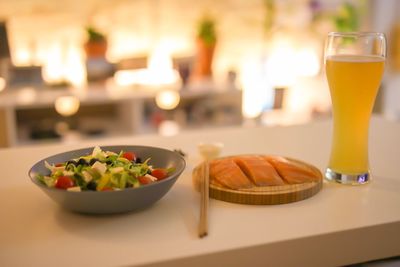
[(204, 199)]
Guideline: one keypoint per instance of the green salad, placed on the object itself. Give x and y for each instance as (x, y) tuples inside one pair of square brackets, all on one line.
[(103, 171)]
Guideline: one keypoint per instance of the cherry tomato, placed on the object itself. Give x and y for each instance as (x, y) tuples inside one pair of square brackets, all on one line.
[(107, 189), (64, 182), (159, 173), (144, 180), (129, 156)]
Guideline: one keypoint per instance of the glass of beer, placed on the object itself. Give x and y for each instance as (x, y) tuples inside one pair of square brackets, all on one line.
[(354, 65)]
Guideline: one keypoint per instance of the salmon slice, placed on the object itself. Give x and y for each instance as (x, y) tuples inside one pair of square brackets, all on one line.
[(216, 183), (260, 171), (227, 172), (293, 172)]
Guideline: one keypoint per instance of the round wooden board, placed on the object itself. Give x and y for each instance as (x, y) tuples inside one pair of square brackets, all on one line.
[(269, 195)]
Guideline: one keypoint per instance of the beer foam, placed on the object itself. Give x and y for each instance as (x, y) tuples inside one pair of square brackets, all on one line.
[(355, 58)]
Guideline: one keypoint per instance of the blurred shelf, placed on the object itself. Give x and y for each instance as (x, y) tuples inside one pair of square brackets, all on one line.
[(28, 115)]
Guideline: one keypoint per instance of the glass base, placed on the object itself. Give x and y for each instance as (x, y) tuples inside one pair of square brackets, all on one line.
[(350, 179)]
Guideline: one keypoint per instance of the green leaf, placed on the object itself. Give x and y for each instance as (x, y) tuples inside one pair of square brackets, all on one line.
[(171, 170), (207, 31), (40, 178), (94, 35), (123, 180)]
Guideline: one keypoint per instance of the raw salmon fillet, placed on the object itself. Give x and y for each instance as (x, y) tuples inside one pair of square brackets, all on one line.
[(252, 171), (227, 172), (260, 171), (293, 172)]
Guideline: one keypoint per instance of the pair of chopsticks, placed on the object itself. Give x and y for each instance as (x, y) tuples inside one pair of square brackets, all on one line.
[(208, 151), (204, 199)]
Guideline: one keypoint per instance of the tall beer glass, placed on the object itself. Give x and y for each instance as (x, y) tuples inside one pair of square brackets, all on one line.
[(354, 65)]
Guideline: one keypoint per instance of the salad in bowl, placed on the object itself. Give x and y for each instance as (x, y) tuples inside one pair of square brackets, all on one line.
[(110, 179), (103, 171)]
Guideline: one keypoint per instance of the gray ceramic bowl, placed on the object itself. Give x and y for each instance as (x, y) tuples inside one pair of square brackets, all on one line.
[(108, 202)]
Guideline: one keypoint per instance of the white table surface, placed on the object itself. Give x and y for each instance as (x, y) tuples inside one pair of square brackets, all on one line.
[(340, 225)]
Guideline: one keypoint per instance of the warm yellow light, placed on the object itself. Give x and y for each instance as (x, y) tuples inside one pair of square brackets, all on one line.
[(255, 89), (26, 95), (22, 56), (64, 64), (159, 60), (160, 69), (281, 64), (168, 128), (53, 71), (159, 72), (125, 43), (131, 77), (74, 68), (67, 105), (123, 77), (167, 99), (307, 62), (2, 83)]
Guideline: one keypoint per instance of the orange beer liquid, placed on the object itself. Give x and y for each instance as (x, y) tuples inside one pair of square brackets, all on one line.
[(354, 82)]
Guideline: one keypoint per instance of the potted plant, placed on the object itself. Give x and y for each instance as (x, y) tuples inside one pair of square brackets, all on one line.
[(97, 66), (96, 45), (206, 41)]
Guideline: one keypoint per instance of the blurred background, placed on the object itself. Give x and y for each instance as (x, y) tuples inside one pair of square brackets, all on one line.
[(72, 69)]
